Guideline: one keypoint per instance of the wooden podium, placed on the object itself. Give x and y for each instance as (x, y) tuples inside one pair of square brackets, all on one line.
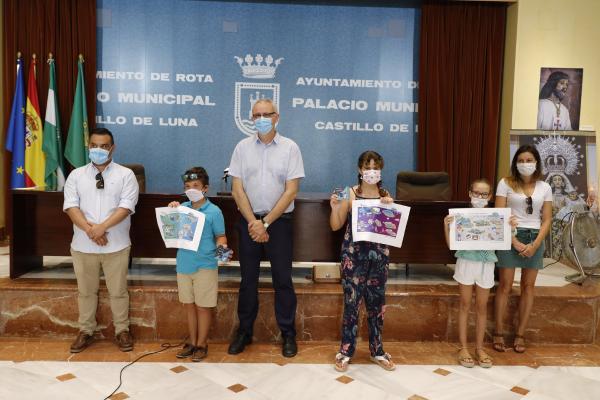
[(38, 227)]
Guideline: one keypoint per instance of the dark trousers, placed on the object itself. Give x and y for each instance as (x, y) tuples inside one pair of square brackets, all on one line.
[(279, 252)]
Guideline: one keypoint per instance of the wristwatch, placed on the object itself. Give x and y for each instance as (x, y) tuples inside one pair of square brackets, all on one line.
[(265, 223)]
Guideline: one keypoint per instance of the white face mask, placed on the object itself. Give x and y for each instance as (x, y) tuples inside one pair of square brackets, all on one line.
[(526, 169), (194, 195), (371, 176), (476, 202)]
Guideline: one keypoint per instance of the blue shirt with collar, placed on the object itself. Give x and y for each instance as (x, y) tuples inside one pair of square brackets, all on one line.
[(189, 261)]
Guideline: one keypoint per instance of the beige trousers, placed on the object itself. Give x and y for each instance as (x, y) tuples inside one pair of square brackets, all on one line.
[(87, 271)]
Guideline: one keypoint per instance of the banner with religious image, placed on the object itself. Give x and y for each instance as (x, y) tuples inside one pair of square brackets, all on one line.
[(569, 167), (559, 97)]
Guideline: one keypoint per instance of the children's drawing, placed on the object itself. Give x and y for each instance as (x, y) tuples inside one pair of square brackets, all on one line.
[(480, 229), (376, 222), (180, 227)]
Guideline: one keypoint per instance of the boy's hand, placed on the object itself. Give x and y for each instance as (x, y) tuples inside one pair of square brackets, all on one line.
[(174, 204), (224, 253), (386, 200), (448, 219)]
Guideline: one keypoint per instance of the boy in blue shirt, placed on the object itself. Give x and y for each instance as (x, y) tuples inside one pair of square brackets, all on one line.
[(197, 273)]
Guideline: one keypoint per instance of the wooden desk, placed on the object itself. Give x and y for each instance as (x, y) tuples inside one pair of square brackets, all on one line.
[(38, 227)]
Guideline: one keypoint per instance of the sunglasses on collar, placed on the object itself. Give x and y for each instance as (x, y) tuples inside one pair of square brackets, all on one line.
[(99, 181)]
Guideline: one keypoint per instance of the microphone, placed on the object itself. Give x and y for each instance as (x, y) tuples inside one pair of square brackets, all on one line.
[(224, 189)]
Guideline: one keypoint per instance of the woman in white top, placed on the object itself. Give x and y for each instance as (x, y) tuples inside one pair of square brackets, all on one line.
[(530, 199)]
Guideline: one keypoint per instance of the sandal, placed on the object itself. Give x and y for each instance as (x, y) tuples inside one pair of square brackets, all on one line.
[(498, 342), (384, 361), (464, 358), (485, 361), (341, 362), (519, 344)]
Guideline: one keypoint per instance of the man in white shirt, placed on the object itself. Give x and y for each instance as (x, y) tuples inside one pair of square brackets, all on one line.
[(99, 199), (266, 170)]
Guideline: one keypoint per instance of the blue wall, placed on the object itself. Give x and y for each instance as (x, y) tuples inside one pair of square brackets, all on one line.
[(375, 45)]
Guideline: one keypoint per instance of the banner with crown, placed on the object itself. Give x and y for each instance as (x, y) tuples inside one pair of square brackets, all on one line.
[(569, 167), (247, 93)]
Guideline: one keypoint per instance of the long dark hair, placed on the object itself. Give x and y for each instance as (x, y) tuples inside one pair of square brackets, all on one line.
[(365, 159), (515, 180), (551, 83)]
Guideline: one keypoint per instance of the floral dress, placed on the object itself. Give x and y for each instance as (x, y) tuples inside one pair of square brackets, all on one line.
[(364, 272)]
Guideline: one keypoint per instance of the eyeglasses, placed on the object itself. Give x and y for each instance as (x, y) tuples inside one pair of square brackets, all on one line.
[(266, 115), (99, 181), (190, 177), (529, 202), (481, 195)]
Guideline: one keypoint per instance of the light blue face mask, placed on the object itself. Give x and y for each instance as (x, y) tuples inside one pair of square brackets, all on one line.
[(263, 125), (99, 156)]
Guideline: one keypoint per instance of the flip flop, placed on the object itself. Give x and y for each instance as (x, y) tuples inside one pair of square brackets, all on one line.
[(384, 361)]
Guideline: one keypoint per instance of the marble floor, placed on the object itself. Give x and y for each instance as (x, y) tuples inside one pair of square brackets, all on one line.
[(424, 371), (33, 368)]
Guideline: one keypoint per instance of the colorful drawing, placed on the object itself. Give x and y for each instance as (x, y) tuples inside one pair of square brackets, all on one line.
[(179, 225), (378, 220), (480, 229), (374, 221), (488, 227)]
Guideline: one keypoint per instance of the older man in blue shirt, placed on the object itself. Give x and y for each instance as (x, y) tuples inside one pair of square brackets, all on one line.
[(266, 170)]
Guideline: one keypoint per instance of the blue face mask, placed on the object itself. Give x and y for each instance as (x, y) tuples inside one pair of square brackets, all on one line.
[(263, 125), (99, 156)]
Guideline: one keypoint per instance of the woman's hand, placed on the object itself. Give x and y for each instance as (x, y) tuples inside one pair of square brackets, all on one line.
[(386, 200), (529, 250), (174, 204), (448, 220), (519, 247), (513, 221)]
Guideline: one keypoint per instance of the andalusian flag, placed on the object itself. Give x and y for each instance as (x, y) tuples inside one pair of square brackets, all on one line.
[(35, 160), (76, 150), (15, 136), (55, 177)]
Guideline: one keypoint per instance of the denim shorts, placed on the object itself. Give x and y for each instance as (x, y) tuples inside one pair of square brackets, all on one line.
[(512, 259)]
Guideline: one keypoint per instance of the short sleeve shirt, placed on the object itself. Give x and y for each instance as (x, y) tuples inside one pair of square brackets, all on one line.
[(517, 202), (265, 168), (189, 261)]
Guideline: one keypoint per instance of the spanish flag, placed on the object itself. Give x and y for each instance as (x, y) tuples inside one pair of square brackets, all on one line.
[(35, 160)]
